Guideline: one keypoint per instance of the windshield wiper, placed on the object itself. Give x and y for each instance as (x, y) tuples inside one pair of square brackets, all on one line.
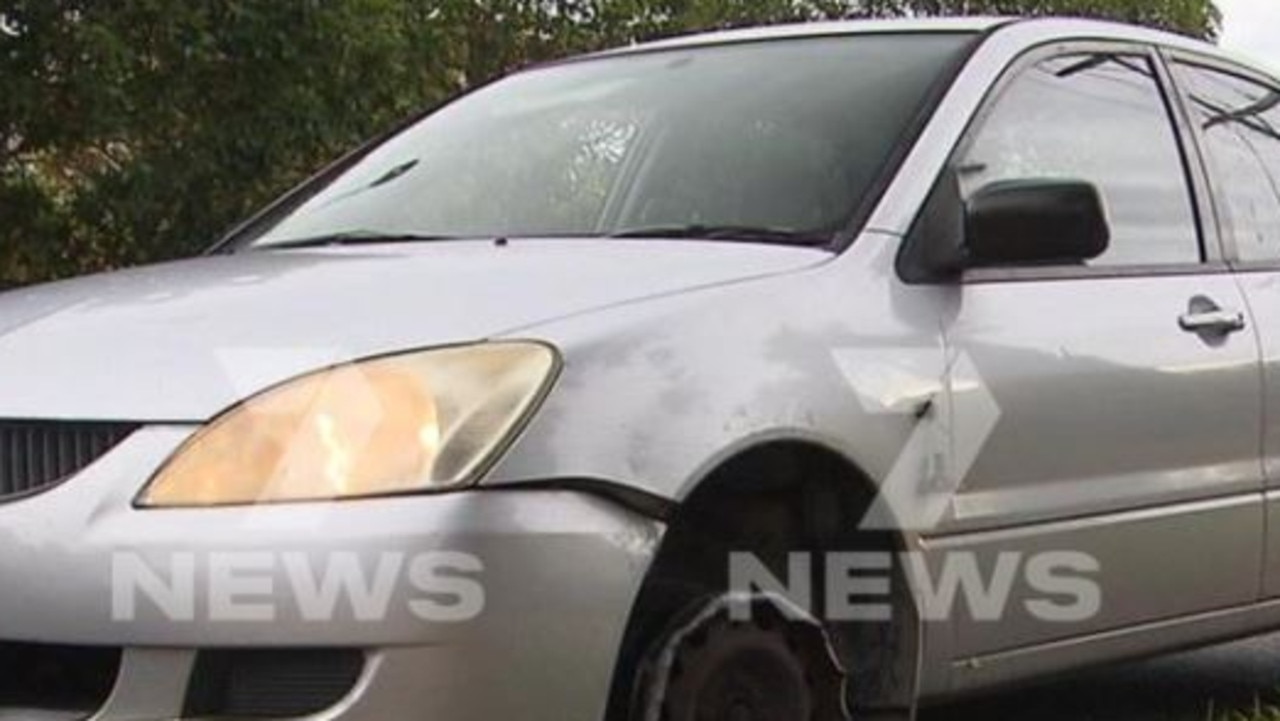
[(784, 236), (354, 238)]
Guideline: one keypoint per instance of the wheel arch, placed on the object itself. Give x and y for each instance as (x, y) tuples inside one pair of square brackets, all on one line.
[(774, 494)]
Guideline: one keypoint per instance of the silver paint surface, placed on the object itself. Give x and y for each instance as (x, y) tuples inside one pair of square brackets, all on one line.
[(678, 355)]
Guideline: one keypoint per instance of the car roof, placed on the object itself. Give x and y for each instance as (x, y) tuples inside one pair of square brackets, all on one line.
[(826, 28), (1033, 30)]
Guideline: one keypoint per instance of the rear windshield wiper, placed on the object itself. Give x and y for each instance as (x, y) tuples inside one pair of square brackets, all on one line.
[(785, 236), (353, 238)]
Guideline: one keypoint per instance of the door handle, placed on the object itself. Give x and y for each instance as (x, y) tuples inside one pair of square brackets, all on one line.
[(1212, 321)]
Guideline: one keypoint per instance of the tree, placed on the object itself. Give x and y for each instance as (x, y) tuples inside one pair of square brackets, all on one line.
[(136, 130), (139, 129)]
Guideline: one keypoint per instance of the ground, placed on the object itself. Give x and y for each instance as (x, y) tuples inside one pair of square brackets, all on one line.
[(1196, 686)]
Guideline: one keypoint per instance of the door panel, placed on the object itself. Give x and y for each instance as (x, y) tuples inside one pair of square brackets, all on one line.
[(1238, 120), (1106, 403), (1175, 548), (1115, 427), (1128, 387)]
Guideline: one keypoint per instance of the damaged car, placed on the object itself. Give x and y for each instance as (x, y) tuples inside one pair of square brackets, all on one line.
[(809, 372)]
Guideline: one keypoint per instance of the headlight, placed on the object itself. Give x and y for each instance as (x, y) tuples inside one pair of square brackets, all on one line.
[(416, 422)]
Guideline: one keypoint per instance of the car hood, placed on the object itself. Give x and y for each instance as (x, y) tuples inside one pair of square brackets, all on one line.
[(182, 341)]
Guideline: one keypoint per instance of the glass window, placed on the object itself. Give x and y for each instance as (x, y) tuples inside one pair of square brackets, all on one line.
[(1100, 118), (787, 135), (1241, 124)]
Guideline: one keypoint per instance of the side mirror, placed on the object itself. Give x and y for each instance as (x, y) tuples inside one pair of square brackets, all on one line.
[(1035, 222)]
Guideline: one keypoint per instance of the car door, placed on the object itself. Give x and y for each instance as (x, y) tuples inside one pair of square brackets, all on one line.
[(1236, 114), (1126, 389)]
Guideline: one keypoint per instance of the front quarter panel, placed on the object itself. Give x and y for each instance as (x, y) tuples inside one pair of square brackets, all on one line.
[(655, 395)]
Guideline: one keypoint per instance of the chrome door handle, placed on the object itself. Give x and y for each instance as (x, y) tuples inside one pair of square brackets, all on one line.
[(1212, 321)]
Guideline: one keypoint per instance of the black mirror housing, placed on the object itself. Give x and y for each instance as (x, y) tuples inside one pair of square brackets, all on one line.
[(1035, 222)]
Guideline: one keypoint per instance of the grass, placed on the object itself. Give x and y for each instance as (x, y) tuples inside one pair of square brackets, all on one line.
[(1259, 712)]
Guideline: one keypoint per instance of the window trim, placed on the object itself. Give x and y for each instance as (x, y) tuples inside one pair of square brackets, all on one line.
[(892, 167), (1070, 272), (1209, 239), (1215, 195)]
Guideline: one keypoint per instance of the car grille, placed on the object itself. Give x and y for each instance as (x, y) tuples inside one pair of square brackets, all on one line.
[(271, 683), (35, 455), (38, 680)]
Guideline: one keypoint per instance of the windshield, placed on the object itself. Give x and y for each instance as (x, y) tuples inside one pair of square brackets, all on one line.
[(757, 141)]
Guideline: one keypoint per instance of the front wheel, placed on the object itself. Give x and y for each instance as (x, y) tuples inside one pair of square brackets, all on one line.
[(756, 666)]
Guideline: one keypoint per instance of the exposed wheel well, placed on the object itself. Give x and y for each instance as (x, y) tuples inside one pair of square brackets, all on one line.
[(773, 500)]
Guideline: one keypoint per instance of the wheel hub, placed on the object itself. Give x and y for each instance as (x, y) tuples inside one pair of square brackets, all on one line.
[(770, 668)]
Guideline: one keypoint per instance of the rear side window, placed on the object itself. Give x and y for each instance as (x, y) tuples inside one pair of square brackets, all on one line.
[(1240, 121), (1100, 118)]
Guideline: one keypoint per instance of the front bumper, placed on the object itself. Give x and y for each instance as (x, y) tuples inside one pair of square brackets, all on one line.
[(559, 572)]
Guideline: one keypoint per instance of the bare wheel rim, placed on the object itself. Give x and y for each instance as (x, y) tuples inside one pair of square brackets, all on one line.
[(767, 669)]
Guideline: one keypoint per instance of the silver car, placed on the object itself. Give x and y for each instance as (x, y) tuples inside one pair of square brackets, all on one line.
[(803, 373)]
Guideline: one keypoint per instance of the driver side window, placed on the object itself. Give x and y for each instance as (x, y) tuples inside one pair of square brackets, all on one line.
[(1100, 118)]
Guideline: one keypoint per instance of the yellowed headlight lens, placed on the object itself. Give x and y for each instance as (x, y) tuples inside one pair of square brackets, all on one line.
[(415, 422)]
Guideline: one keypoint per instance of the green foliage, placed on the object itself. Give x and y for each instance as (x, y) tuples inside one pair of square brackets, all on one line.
[(132, 130)]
